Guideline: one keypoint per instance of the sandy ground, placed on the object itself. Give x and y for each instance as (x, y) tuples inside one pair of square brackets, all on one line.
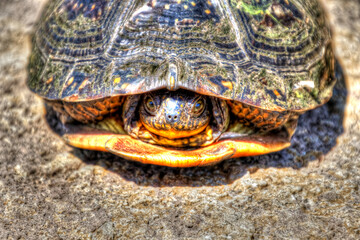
[(51, 191)]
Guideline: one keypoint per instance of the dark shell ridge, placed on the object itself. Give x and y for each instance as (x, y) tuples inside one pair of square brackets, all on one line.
[(273, 54)]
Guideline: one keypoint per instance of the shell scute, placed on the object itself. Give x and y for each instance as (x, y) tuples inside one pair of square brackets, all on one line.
[(275, 55)]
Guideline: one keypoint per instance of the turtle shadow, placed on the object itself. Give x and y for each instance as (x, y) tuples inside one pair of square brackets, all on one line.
[(315, 136)]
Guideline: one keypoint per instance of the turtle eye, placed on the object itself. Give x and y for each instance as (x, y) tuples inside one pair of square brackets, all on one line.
[(199, 106), (150, 104)]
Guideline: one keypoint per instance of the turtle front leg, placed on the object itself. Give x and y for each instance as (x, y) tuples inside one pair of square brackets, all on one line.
[(221, 114), (132, 123)]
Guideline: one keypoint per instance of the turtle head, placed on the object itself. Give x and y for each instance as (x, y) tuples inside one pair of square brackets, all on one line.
[(174, 114)]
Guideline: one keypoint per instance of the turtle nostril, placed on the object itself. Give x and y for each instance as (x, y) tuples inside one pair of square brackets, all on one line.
[(172, 117)]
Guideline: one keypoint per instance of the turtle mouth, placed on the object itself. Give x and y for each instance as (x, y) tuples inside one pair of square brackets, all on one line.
[(204, 137), (118, 142), (172, 133)]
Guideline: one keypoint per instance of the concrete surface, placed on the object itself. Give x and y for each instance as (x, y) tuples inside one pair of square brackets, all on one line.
[(51, 191)]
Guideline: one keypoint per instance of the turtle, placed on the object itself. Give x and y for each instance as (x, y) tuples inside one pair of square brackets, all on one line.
[(181, 83)]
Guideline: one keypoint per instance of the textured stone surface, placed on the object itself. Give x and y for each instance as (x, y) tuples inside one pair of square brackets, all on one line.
[(51, 191)]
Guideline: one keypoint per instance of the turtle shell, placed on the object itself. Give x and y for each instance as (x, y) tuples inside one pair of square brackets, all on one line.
[(272, 54)]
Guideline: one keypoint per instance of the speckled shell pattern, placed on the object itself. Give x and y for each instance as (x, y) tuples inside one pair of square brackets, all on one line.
[(271, 54)]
